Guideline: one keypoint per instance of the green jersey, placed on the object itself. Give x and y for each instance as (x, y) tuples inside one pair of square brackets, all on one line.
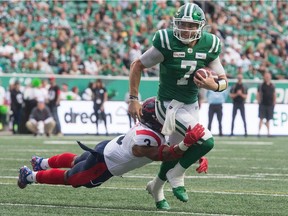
[(180, 63)]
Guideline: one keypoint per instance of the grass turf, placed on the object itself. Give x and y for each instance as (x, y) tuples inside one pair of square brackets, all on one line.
[(247, 176)]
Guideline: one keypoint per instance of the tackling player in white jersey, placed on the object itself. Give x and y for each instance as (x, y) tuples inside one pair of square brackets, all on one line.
[(141, 145)]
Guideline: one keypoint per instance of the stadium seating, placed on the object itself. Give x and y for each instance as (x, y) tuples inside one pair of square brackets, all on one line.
[(28, 29)]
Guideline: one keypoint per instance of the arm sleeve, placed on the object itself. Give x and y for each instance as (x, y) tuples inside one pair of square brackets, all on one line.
[(151, 57), (216, 66)]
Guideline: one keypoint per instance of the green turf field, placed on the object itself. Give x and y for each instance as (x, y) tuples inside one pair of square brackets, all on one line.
[(247, 176)]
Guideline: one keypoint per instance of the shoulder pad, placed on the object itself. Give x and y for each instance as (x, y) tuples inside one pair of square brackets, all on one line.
[(147, 137), (161, 40), (214, 42)]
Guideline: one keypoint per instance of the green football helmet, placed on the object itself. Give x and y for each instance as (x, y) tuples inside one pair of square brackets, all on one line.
[(188, 23)]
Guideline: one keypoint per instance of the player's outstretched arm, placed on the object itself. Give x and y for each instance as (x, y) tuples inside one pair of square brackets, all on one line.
[(168, 153), (162, 153), (135, 108)]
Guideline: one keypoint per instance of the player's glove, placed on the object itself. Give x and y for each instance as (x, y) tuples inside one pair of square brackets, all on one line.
[(192, 136), (203, 165)]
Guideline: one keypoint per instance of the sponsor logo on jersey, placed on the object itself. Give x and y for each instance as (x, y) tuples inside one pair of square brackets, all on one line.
[(201, 55), (178, 54), (190, 50)]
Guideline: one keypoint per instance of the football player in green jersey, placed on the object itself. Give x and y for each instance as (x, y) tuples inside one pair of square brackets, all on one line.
[(180, 52)]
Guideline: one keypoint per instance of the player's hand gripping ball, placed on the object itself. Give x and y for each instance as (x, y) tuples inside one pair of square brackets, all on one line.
[(204, 72)]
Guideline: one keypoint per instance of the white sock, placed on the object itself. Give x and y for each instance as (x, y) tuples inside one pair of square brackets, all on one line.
[(44, 164), (158, 189), (32, 177), (158, 183), (176, 175)]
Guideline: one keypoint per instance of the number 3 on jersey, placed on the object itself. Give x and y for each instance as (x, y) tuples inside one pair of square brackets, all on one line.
[(185, 64)]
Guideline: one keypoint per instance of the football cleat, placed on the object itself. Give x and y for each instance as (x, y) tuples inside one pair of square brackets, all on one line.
[(24, 172), (176, 180), (157, 195), (180, 193), (36, 163), (162, 205)]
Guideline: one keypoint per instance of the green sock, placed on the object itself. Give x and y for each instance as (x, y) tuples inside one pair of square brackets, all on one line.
[(165, 166), (195, 152), (192, 155)]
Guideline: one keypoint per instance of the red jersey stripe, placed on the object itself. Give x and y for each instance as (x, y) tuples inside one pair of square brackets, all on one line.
[(149, 133)]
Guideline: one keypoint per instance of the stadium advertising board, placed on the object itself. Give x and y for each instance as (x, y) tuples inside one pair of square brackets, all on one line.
[(77, 117), (278, 126)]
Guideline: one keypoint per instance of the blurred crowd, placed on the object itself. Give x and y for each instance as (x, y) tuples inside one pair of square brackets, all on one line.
[(38, 101), (255, 37), (98, 37)]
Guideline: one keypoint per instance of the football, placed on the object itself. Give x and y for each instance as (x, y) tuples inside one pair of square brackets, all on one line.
[(203, 72)]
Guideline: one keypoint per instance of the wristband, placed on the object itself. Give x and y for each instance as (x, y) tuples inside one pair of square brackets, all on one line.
[(131, 97), (222, 85), (182, 146)]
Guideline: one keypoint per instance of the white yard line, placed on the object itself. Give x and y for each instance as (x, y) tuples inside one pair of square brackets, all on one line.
[(237, 177), (194, 166), (212, 192), (244, 143), (258, 176), (246, 193), (109, 209), (15, 159), (37, 150), (57, 138), (69, 142), (157, 163)]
